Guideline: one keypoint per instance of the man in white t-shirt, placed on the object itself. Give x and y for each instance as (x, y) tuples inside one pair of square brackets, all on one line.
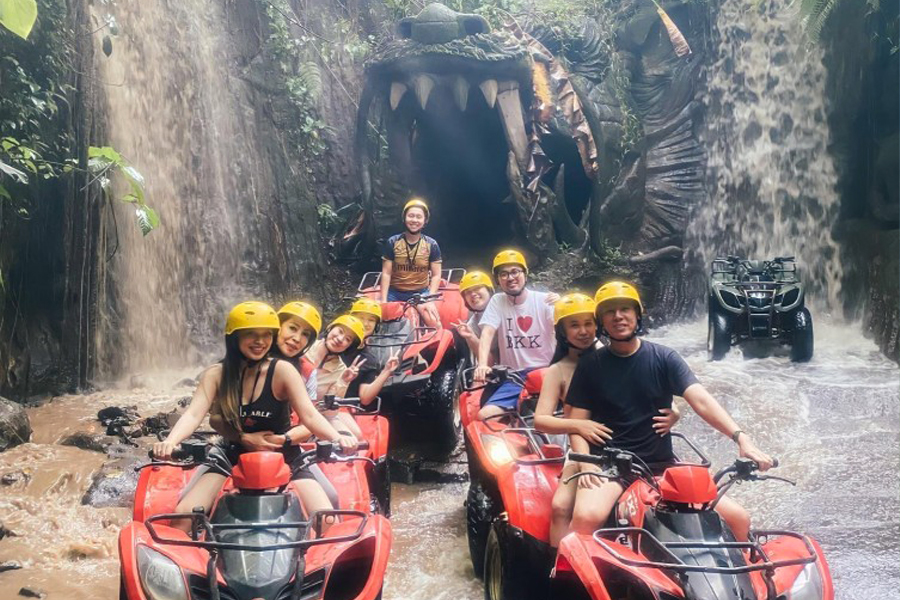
[(522, 320)]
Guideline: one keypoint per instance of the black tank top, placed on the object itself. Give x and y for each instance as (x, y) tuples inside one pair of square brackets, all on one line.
[(266, 413)]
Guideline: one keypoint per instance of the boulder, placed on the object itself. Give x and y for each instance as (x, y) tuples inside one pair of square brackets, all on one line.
[(87, 441), (15, 428)]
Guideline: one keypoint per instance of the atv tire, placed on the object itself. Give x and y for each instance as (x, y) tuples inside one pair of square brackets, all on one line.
[(718, 341), (802, 336), (501, 579), (380, 485), (480, 513), (444, 401)]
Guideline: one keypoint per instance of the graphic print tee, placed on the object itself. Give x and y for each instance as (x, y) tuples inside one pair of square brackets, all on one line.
[(524, 331), (412, 262)]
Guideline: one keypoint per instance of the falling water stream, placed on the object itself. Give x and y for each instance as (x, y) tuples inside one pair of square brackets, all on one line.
[(833, 423)]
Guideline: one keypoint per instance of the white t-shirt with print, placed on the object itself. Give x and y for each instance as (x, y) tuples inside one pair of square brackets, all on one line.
[(524, 331)]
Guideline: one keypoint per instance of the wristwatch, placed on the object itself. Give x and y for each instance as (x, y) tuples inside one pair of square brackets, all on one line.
[(287, 442), (734, 436)]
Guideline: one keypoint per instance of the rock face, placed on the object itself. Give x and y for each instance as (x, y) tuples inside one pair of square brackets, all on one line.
[(15, 428)]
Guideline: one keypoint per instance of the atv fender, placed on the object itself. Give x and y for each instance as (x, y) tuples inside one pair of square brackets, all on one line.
[(527, 493), (376, 539), (158, 490), (134, 534), (586, 558)]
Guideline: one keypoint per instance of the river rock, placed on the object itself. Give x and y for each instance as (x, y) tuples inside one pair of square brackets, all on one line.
[(10, 565), (15, 477), (32, 592), (4, 532), (126, 414), (15, 428), (115, 482), (87, 441)]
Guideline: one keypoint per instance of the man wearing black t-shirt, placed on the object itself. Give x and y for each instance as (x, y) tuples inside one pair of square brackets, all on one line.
[(624, 386)]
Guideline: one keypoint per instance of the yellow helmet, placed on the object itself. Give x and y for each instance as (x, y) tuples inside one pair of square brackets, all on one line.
[(509, 257), (618, 290), (367, 306), (416, 202), (351, 323), (474, 279), (302, 310), (251, 315), (573, 304)]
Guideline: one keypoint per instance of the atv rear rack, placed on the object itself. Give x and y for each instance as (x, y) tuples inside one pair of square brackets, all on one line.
[(679, 566)]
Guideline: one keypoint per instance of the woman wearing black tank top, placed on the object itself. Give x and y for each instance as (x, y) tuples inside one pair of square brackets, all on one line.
[(254, 396)]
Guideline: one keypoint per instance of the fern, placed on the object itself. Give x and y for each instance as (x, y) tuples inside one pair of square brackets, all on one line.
[(814, 14), (310, 76)]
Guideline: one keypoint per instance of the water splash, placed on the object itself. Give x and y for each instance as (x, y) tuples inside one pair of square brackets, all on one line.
[(771, 178)]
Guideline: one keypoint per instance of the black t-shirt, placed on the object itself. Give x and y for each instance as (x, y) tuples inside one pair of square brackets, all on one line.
[(625, 393), (368, 372)]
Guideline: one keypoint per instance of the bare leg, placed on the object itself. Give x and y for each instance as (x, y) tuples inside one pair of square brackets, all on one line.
[(489, 410), (593, 506), (313, 498), (202, 494), (349, 423), (563, 505), (737, 518)]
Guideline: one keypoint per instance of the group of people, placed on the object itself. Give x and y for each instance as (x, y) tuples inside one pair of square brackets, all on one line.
[(620, 393)]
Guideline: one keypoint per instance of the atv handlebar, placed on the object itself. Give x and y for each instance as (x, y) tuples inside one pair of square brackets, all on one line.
[(191, 453), (499, 374), (354, 404)]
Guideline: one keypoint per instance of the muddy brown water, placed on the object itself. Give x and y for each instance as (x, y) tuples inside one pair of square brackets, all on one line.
[(834, 424)]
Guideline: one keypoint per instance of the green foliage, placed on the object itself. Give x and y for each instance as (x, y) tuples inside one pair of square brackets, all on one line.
[(620, 80), (816, 13), (103, 163), (18, 16)]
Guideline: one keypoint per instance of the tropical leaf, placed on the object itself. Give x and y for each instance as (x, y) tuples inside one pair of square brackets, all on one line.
[(13, 172), (18, 16), (311, 78), (679, 42), (147, 219), (106, 152)]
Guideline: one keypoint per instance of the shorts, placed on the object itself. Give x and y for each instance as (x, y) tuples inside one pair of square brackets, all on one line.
[(507, 395), (222, 456), (401, 296)]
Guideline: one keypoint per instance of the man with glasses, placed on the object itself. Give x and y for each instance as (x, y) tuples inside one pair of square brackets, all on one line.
[(522, 320)]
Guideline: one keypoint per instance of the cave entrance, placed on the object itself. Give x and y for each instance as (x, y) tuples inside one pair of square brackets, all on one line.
[(459, 158)]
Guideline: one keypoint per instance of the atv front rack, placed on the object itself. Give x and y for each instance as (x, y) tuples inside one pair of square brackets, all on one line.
[(386, 340), (679, 566), (200, 521), (373, 278)]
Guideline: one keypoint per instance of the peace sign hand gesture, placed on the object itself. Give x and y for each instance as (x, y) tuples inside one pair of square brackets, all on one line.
[(392, 363), (351, 372), (464, 330)]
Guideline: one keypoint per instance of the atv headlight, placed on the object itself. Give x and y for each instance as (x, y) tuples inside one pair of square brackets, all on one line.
[(496, 450), (161, 578), (730, 299), (788, 298), (808, 585)]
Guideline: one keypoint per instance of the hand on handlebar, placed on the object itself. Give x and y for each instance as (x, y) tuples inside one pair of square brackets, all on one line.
[(347, 443), (163, 450), (749, 450), (592, 481), (481, 373)]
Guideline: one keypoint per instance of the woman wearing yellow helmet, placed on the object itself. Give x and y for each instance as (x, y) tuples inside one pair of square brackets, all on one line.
[(254, 396), (372, 376), (300, 325), (576, 334), (411, 262)]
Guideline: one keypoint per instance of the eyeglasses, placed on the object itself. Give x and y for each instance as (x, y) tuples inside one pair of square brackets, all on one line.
[(510, 273)]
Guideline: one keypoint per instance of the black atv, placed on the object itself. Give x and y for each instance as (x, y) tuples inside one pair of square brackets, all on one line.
[(758, 300)]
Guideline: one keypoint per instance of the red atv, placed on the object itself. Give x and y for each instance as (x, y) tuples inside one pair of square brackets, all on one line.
[(493, 447), (375, 432), (667, 542), (425, 386), (258, 541)]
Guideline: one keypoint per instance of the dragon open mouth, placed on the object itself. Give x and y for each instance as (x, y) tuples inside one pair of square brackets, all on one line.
[(462, 118)]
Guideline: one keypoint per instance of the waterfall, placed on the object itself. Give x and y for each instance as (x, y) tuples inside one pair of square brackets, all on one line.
[(771, 179), (173, 110)]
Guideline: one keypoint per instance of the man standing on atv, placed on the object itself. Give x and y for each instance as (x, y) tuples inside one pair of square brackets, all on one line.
[(411, 262), (523, 321), (624, 386)]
